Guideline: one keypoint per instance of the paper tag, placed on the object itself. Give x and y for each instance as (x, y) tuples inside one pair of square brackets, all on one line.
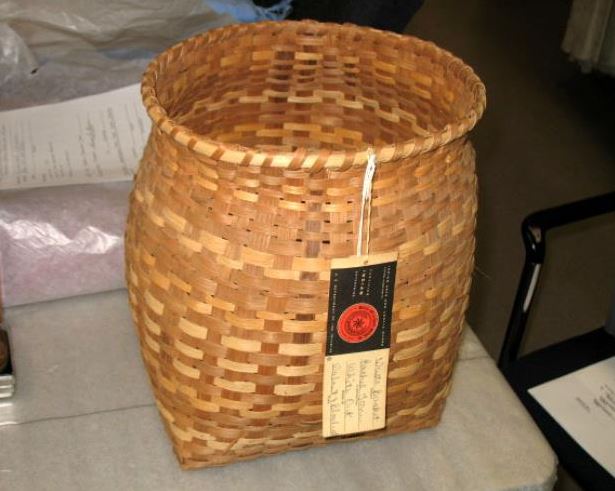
[(358, 341)]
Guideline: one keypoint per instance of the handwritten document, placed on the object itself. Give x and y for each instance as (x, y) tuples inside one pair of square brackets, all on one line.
[(91, 139), (583, 403), (355, 391)]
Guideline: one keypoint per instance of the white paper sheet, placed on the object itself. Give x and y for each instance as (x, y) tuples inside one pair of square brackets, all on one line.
[(583, 403), (91, 139)]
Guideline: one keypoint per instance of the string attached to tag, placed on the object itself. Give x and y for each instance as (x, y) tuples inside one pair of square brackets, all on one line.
[(366, 202), (359, 319)]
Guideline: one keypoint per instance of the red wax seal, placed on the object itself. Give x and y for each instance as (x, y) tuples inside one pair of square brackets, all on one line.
[(357, 323)]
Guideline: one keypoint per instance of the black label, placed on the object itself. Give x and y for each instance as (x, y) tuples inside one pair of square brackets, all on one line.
[(360, 305)]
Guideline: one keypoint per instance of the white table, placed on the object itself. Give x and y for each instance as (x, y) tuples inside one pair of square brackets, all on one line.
[(83, 419)]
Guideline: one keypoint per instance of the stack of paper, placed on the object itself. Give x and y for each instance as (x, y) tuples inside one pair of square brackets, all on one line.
[(91, 139)]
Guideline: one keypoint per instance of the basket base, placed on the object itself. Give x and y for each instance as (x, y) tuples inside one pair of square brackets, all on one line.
[(223, 460)]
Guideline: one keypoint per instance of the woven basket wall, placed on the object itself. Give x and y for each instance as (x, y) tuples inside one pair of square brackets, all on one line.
[(251, 183)]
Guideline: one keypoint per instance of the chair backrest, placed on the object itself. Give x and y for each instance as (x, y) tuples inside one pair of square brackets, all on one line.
[(609, 326), (534, 231)]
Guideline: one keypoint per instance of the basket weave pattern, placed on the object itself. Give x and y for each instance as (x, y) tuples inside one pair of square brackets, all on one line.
[(251, 183)]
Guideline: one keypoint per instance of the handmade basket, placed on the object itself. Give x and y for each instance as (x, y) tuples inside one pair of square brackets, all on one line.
[(251, 183)]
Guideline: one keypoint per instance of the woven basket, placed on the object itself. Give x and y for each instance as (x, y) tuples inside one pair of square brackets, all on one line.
[(251, 183)]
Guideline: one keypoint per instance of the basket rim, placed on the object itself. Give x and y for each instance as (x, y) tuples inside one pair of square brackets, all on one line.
[(302, 158)]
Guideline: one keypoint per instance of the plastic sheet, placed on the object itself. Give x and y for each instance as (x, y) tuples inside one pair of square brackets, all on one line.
[(62, 241), (16, 60), (53, 51)]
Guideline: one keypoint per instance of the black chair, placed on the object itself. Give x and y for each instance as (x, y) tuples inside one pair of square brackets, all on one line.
[(564, 357)]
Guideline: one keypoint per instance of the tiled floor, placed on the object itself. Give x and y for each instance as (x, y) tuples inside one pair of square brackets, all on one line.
[(548, 137)]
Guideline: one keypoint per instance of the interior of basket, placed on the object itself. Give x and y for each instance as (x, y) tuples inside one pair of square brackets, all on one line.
[(313, 87)]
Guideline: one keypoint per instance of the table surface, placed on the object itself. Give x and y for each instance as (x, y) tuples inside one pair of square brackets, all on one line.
[(83, 417)]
